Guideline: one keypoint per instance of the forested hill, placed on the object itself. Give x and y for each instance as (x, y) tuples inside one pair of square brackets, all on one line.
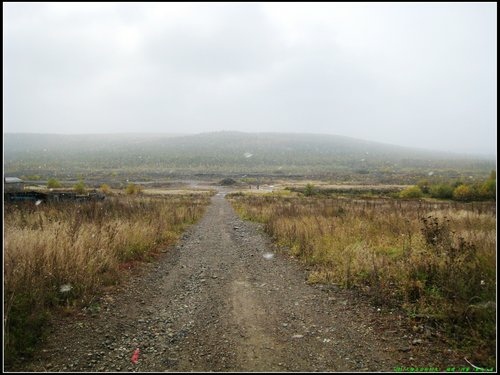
[(224, 153)]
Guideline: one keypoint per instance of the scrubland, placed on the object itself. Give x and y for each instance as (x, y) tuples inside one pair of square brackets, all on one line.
[(58, 256), (435, 260)]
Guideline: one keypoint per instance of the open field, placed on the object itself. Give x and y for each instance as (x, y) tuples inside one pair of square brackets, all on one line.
[(57, 257), (436, 260)]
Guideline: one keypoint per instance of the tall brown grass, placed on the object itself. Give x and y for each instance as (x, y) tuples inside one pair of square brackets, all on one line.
[(59, 255), (436, 260)]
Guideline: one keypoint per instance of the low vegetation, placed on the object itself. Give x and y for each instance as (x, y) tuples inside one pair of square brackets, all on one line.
[(58, 256), (105, 188), (411, 192), (227, 182), (133, 189), (458, 190), (435, 260), (52, 183), (79, 187), (438, 188)]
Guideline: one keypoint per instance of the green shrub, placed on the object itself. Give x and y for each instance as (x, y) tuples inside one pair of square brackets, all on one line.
[(442, 191), (411, 192), (463, 193), (488, 189), (79, 187), (53, 183), (309, 190), (424, 185)]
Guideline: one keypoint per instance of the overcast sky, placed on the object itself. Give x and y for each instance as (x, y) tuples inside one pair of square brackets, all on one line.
[(411, 74)]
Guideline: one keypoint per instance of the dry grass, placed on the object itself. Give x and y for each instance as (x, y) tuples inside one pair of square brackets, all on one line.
[(157, 191), (437, 260), (59, 255)]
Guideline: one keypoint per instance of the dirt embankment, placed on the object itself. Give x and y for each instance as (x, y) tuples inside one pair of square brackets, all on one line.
[(223, 299)]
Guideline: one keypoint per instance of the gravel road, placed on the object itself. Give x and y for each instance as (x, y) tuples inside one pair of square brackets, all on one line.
[(224, 299)]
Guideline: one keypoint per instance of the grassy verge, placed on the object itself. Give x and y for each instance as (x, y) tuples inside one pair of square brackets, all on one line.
[(57, 256), (436, 261)]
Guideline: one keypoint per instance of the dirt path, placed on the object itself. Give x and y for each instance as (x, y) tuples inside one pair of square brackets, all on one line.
[(223, 299)]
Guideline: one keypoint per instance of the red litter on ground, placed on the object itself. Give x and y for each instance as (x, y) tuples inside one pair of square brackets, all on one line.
[(135, 356)]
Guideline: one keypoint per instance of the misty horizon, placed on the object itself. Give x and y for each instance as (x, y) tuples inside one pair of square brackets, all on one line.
[(174, 135), (412, 75)]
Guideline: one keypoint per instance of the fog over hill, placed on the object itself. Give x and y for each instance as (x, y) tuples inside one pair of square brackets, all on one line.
[(224, 152)]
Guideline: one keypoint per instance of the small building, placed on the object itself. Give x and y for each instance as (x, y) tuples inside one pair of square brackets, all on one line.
[(13, 184)]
